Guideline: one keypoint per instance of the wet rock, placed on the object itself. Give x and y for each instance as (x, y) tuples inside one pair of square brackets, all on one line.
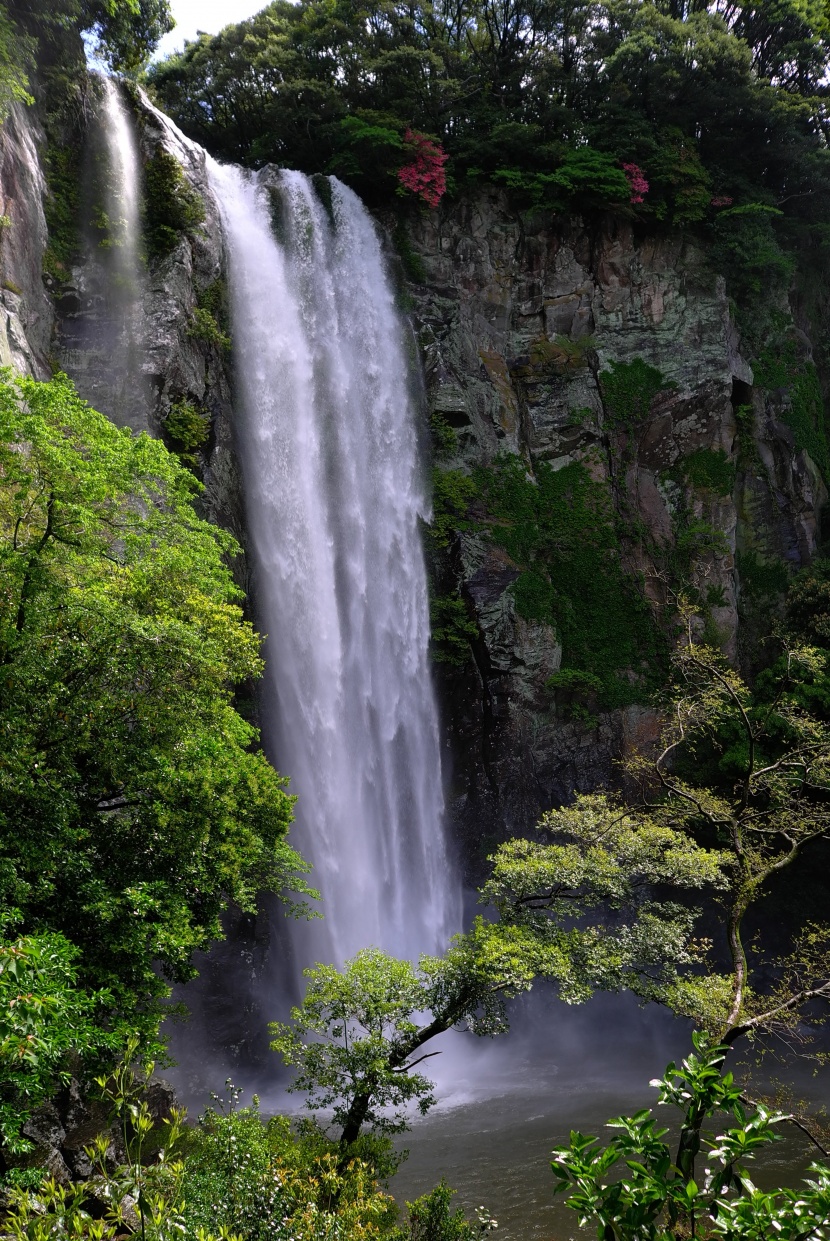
[(518, 318)]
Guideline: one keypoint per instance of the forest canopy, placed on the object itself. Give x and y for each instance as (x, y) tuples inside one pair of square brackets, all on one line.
[(718, 105)]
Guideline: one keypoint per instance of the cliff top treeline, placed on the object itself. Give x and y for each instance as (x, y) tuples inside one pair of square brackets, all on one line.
[(720, 102)]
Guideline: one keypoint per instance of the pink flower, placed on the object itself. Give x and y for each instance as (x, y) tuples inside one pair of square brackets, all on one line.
[(723, 200), (636, 181), (424, 175)]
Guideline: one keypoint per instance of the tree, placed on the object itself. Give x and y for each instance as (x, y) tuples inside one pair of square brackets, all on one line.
[(369, 1023), (750, 770), (134, 804), (634, 1190), (43, 1017), (125, 32)]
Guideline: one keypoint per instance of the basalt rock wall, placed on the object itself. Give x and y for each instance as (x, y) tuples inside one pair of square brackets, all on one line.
[(519, 316)]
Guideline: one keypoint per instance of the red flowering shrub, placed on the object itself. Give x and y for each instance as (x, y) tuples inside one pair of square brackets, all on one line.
[(722, 200), (636, 181), (424, 175)]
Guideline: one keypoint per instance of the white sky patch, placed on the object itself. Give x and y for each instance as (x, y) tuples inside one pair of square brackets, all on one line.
[(209, 15)]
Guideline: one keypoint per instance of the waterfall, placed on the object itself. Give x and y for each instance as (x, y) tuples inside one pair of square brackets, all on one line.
[(102, 341), (122, 190), (334, 493)]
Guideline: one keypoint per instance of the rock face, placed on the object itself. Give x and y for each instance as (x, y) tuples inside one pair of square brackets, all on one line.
[(26, 312), (518, 318)]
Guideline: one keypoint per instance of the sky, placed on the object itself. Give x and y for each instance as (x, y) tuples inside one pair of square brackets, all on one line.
[(209, 15)]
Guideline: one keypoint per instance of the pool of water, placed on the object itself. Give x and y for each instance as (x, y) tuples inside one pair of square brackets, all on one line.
[(504, 1105)]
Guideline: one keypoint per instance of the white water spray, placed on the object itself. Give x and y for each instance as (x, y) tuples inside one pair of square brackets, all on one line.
[(122, 186), (103, 344), (334, 495)]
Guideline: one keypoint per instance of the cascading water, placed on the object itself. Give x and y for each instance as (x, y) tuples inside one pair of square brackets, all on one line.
[(334, 494), (122, 189), (102, 344)]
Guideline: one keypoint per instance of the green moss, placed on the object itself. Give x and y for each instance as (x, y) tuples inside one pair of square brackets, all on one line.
[(214, 299), (452, 630), (323, 189), (708, 469), (762, 579), (204, 327), (562, 355), (560, 531), (171, 205), (628, 390), (12, 287), (452, 493), (444, 437), (412, 263), (780, 367), (62, 208)]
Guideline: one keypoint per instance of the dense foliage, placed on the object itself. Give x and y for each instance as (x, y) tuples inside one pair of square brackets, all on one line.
[(636, 1188), (133, 801), (717, 108), (122, 32), (43, 1017)]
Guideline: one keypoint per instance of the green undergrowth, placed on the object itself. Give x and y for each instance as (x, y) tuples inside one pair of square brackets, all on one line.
[(411, 261), (560, 532), (453, 492), (628, 390), (452, 630), (760, 578), (780, 367), (171, 206), (187, 429), (443, 436), (708, 469), (62, 206)]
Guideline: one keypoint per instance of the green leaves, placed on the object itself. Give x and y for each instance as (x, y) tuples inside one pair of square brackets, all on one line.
[(632, 1189), (364, 1016), (133, 801), (43, 1016), (608, 859)]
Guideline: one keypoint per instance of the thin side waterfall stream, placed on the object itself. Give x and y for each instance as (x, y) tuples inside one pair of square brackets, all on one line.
[(334, 493)]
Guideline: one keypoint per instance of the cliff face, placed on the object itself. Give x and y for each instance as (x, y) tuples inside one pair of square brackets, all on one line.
[(523, 323), (26, 310), (65, 321)]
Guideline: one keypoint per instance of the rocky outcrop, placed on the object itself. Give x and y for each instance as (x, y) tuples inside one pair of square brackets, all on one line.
[(518, 317), (60, 1132), (26, 312), (50, 322)]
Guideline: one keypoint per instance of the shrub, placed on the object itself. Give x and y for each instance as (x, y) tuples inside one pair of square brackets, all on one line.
[(710, 470), (171, 206), (779, 366), (424, 175), (628, 390), (451, 630), (203, 326), (560, 532), (452, 493)]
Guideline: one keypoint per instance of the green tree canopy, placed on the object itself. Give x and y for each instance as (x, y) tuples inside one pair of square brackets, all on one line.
[(133, 800), (124, 32)]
